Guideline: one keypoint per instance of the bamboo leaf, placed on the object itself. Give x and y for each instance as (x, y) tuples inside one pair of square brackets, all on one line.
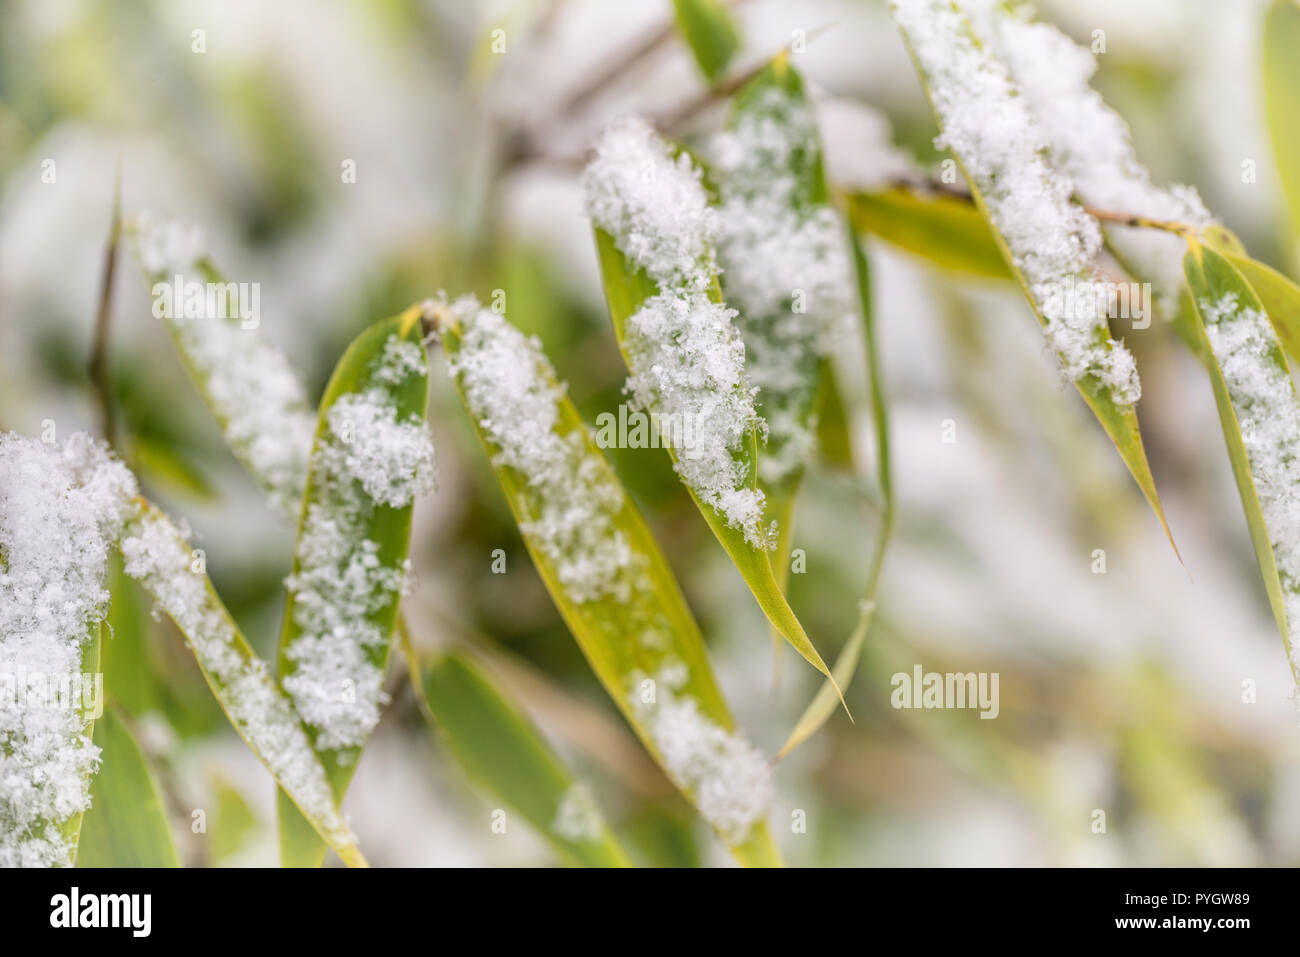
[(710, 32), (1279, 296), (89, 712), (948, 231), (834, 438), (606, 575), (126, 825), (1260, 416), (823, 705), (371, 456), (1017, 182), (1281, 69), (246, 382), (157, 554), (503, 752)]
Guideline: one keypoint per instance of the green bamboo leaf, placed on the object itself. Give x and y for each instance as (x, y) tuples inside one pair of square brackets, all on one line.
[(685, 360), (834, 431), (606, 575), (89, 711), (1016, 182), (157, 554), (947, 230), (234, 824), (371, 456), (846, 664), (710, 32), (246, 382), (1279, 295), (1260, 416), (1281, 38), (504, 753), (126, 825)]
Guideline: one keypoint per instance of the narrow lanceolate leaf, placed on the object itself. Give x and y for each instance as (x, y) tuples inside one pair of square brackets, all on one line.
[(606, 575), (503, 753), (946, 230), (62, 505), (1048, 241), (157, 554), (784, 269), (1279, 296), (246, 382), (654, 237), (126, 825), (823, 705), (1260, 415), (1091, 144), (372, 456), (1281, 38), (710, 32)]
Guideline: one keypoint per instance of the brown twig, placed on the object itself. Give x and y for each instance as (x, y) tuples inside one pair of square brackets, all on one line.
[(98, 368)]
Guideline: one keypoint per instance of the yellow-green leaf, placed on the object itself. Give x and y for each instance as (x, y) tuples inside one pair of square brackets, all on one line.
[(126, 825), (604, 571), (351, 555), (1259, 413), (157, 554), (1281, 69), (941, 228), (626, 289), (503, 752), (1279, 296), (710, 32)]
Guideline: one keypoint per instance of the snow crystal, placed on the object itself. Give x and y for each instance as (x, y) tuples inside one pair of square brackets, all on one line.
[(573, 495), (687, 363), (61, 508), (726, 775), (652, 204), (256, 397), (1268, 414), (156, 553), (989, 125), (785, 266), (1092, 143), (577, 818), (364, 458)]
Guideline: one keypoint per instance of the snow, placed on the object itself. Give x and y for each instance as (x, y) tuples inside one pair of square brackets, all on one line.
[(61, 508), (988, 124), (727, 777), (1268, 413), (341, 588), (156, 553), (258, 401), (571, 495), (577, 818), (785, 266)]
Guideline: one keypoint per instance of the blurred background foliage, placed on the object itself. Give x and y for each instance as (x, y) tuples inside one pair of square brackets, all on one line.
[(1120, 692)]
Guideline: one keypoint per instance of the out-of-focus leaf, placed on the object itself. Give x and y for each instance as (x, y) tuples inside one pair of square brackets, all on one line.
[(157, 555), (645, 637), (823, 705), (1257, 364), (1281, 67), (834, 437), (234, 823), (626, 289), (170, 468), (710, 32), (946, 230), (365, 370), (501, 750), (126, 825), (127, 662)]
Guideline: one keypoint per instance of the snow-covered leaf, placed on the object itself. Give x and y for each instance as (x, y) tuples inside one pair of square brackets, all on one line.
[(1260, 416), (606, 574), (372, 456)]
